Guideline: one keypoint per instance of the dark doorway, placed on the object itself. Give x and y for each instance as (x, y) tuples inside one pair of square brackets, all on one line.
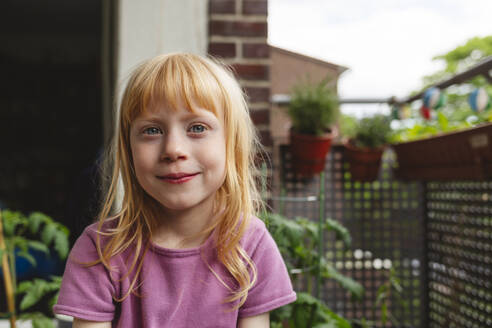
[(51, 114)]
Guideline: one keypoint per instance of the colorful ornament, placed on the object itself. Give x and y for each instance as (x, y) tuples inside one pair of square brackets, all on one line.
[(396, 112), (405, 112), (479, 100), (434, 98), (425, 112)]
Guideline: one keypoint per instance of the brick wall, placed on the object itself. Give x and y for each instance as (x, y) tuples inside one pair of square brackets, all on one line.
[(238, 35)]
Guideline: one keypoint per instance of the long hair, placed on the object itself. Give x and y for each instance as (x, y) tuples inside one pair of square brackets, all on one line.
[(195, 82)]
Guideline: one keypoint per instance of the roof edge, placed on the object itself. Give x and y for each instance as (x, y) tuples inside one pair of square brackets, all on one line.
[(340, 69)]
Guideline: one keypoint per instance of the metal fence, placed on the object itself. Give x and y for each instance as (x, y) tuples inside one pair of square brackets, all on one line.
[(435, 237)]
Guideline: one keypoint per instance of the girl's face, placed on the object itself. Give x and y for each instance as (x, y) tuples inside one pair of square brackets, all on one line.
[(179, 156)]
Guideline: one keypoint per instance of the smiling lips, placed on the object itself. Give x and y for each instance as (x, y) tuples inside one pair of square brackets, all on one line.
[(177, 178)]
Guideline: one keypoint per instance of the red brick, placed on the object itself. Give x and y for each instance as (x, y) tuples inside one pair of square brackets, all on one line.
[(235, 28), (222, 7), (266, 138), (222, 49), (251, 72), (255, 7), (256, 50), (258, 94), (260, 116)]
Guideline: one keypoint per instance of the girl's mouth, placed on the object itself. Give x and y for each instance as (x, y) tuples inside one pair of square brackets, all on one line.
[(177, 178)]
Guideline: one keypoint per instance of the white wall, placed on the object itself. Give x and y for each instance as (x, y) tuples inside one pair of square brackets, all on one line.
[(151, 27)]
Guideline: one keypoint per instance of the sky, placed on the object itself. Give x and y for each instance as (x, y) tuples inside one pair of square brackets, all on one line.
[(388, 45)]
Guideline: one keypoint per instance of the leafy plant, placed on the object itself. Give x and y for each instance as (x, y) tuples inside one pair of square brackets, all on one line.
[(427, 129), (21, 234), (390, 291), (313, 107), (371, 132), (298, 242), (456, 114)]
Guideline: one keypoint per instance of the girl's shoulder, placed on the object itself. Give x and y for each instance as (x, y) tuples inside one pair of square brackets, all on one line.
[(92, 233), (256, 234), (92, 230)]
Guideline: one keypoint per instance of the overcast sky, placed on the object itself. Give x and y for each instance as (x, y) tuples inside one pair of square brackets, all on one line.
[(388, 45)]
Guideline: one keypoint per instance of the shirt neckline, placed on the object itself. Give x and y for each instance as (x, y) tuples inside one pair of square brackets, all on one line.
[(182, 252)]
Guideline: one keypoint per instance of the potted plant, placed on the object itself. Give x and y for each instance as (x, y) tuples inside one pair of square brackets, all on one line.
[(314, 110), (298, 241), (365, 145), (445, 150), (34, 238)]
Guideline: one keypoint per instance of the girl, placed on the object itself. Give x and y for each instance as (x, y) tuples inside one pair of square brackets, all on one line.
[(183, 249)]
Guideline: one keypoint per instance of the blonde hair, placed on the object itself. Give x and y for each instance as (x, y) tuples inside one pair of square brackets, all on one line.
[(196, 82)]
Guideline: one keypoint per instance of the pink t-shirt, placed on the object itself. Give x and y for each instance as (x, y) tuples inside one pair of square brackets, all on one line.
[(177, 289)]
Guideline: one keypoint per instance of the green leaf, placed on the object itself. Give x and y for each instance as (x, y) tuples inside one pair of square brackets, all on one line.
[(340, 231), (49, 232), (326, 325), (33, 294), (1, 254), (395, 283), (43, 323), (61, 244), (305, 298), (57, 279), (380, 297), (39, 246), (28, 257), (11, 220), (35, 220), (384, 313), (24, 286), (348, 283)]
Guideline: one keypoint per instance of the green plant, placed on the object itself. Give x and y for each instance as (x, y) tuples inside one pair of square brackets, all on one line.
[(313, 107), (443, 124), (298, 241), (456, 114), (372, 132), (389, 291), (19, 235)]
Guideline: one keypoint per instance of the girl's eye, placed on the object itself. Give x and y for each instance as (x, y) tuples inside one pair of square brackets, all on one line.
[(152, 131), (197, 128)]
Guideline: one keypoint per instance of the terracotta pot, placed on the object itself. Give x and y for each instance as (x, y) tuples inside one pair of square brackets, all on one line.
[(309, 152), (364, 163)]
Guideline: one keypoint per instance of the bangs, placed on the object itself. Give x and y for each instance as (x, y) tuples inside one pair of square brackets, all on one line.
[(183, 80)]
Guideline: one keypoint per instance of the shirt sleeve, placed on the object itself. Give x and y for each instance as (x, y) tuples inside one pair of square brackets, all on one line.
[(86, 292), (273, 287)]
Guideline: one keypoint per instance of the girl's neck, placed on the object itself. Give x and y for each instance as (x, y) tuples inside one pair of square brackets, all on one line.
[(182, 229)]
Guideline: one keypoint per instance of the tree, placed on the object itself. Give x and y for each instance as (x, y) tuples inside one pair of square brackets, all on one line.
[(455, 61)]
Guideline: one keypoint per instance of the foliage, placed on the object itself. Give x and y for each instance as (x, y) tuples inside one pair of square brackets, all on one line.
[(313, 107), (298, 242), (348, 125), (36, 232), (371, 132), (443, 124), (456, 114), (390, 291), (462, 58)]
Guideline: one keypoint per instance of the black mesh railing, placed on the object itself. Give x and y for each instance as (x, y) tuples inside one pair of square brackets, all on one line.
[(436, 238)]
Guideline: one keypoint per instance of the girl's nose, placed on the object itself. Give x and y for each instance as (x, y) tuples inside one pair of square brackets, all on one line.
[(174, 147)]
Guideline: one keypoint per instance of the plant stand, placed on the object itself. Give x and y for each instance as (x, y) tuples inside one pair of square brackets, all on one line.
[(461, 155)]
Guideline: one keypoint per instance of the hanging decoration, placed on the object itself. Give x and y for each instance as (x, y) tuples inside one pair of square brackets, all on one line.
[(479, 100), (434, 98), (396, 112), (405, 112), (401, 112), (425, 112)]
